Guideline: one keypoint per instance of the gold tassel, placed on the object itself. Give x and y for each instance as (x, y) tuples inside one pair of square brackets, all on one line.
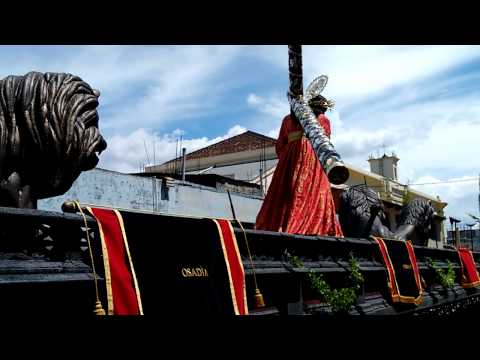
[(98, 304), (424, 283), (259, 303), (99, 308)]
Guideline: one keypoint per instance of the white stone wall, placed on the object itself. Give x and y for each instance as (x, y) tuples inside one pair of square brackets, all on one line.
[(246, 172), (112, 189)]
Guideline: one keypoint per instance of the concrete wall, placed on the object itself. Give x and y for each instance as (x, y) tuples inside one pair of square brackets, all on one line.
[(113, 189)]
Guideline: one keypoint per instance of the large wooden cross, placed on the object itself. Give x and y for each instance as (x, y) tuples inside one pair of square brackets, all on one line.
[(327, 155)]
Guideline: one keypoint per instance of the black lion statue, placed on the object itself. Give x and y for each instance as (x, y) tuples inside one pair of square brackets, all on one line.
[(48, 135), (416, 221), (362, 214)]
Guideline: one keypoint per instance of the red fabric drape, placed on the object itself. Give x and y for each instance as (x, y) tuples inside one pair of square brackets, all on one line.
[(234, 264), (299, 199), (122, 295), (470, 276), (403, 275)]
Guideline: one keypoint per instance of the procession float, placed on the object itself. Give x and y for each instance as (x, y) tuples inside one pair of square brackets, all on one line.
[(89, 259)]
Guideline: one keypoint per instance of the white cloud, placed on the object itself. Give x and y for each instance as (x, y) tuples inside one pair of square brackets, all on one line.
[(129, 153), (150, 85), (461, 194), (269, 113), (273, 106), (356, 144), (254, 100), (450, 146), (183, 87), (274, 132), (452, 188), (360, 71), (235, 130)]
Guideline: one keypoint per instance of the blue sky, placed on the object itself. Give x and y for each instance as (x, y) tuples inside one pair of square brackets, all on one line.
[(420, 101)]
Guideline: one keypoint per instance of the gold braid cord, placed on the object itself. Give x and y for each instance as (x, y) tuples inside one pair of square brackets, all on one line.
[(99, 310), (259, 301)]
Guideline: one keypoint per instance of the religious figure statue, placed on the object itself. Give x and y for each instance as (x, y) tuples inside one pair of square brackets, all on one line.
[(48, 135), (299, 199)]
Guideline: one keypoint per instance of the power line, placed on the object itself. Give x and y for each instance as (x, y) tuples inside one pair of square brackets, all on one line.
[(432, 183), (448, 181)]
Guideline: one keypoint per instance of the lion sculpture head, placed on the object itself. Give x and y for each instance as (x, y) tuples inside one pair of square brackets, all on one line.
[(48, 135), (362, 214)]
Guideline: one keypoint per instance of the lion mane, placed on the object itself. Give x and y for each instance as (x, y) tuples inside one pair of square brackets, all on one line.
[(362, 211), (419, 212), (48, 131), (356, 207)]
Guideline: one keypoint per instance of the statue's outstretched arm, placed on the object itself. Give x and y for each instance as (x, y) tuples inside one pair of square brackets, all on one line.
[(329, 158)]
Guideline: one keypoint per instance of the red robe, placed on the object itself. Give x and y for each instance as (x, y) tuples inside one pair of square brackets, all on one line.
[(299, 199)]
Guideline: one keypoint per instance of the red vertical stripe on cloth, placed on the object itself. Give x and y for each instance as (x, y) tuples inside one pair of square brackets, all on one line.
[(469, 268), (123, 289), (388, 264), (234, 262), (413, 260), (394, 288)]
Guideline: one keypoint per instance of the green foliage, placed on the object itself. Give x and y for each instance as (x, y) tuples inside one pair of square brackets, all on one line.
[(447, 280), (356, 276), (406, 197), (340, 300), (295, 261), (319, 285)]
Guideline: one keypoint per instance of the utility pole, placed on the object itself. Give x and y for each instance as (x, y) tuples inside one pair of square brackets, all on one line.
[(183, 163), (261, 182)]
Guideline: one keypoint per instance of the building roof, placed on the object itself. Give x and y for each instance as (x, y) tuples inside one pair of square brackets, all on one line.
[(202, 179), (211, 180), (248, 140)]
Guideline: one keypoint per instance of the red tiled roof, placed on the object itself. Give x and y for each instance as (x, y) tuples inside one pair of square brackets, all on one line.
[(248, 140)]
